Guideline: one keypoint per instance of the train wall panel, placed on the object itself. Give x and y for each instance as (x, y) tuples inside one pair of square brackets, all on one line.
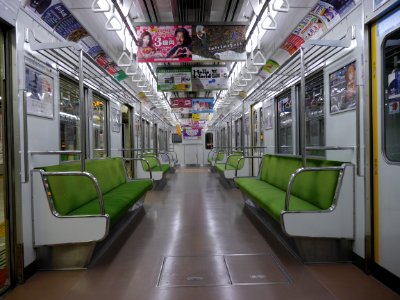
[(42, 133), (341, 127)]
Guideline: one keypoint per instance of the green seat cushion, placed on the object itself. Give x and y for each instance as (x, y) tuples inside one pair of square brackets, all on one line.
[(164, 168), (117, 201), (220, 167), (273, 202), (271, 198)]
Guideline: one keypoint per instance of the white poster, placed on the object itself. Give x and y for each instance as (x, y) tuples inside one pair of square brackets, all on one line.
[(210, 78), (39, 89)]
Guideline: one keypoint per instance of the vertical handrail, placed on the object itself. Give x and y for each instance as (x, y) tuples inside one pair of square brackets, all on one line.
[(358, 134), (242, 127), (302, 109), (25, 127), (141, 127), (83, 112)]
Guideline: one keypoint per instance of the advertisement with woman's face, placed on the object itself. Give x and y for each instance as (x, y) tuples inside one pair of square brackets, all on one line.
[(164, 43)]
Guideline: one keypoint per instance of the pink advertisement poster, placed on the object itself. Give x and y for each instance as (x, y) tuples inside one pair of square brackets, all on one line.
[(164, 43), (181, 105)]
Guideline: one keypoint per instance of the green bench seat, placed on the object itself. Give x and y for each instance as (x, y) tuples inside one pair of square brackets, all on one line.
[(76, 195), (312, 190), (73, 210), (218, 156), (154, 164), (233, 163)]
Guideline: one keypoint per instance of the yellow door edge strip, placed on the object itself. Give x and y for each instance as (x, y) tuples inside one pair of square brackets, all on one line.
[(375, 130)]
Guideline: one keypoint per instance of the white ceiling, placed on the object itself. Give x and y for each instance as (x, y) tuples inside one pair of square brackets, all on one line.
[(163, 10)]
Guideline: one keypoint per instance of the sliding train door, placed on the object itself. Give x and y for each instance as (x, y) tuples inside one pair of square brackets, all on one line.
[(385, 59), (4, 179)]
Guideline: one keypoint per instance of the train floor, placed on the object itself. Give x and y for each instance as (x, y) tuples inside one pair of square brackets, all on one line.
[(193, 241)]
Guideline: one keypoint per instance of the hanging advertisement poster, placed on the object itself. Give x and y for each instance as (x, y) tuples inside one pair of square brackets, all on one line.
[(164, 43), (174, 79), (202, 105), (323, 16), (195, 117), (341, 6), (39, 93), (209, 78), (191, 134), (310, 27), (270, 67), (59, 18), (186, 116), (331, 11), (181, 105), (225, 43), (343, 89)]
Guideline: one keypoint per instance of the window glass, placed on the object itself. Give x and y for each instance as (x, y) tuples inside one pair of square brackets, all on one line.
[(69, 118), (391, 79), (209, 140), (285, 120), (315, 116), (99, 134)]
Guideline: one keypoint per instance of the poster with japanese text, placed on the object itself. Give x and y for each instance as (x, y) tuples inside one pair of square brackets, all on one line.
[(219, 42), (59, 18), (174, 79), (164, 43), (181, 105), (210, 78), (39, 93)]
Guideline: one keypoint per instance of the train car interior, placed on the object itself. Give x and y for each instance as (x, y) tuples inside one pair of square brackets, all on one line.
[(199, 149)]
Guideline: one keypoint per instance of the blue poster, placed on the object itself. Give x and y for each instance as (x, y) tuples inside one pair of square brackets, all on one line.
[(202, 105)]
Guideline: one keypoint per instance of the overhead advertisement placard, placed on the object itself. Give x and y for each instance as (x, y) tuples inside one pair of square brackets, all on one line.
[(195, 117), (164, 43), (209, 78), (219, 42), (181, 105), (174, 79), (322, 17), (202, 105), (60, 19), (190, 133)]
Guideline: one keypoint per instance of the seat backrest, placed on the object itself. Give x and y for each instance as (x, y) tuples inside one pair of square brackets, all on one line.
[(220, 156), (233, 160), (317, 187), (71, 192), (151, 159)]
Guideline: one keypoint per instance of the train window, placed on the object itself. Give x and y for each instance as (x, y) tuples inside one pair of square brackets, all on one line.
[(209, 140), (285, 119), (176, 138), (238, 138), (255, 128), (391, 79), (69, 117), (315, 116), (99, 126)]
